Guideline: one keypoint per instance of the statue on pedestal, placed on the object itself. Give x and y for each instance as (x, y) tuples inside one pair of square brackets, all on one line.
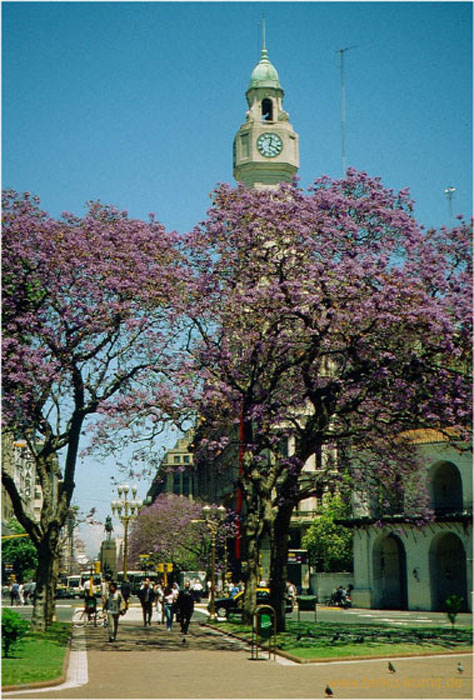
[(108, 527)]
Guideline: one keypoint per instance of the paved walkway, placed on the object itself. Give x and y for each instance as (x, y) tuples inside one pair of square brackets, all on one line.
[(154, 663)]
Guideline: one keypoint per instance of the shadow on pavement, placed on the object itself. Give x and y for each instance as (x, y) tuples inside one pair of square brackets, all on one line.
[(134, 637)]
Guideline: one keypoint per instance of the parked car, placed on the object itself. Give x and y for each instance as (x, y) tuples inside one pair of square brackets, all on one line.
[(233, 604), (62, 591)]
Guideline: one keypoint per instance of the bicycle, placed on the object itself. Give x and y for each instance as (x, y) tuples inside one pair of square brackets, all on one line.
[(88, 615)]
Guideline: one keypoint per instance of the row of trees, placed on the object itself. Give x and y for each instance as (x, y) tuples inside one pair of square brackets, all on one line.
[(327, 320)]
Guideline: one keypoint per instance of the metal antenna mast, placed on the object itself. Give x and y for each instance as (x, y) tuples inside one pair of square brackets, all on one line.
[(449, 192), (261, 37), (343, 107)]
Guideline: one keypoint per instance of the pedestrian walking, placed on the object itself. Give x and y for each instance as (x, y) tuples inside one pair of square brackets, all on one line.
[(115, 606), (15, 593), (146, 596), (185, 607), (197, 590), (169, 601), (160, 611)]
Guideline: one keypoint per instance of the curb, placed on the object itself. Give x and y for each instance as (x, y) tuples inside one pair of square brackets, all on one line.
[(48, 683)]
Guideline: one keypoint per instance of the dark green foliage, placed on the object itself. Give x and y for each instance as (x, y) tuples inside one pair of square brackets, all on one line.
[(330, 545), (14, 628), (20, 552), (453, 604)]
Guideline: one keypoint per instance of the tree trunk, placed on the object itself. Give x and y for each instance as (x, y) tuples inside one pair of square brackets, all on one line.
[(253, 532), (279, 542), (46, 575)]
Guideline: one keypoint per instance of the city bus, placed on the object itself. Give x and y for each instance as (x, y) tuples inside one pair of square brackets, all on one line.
[(73, 585), (135, 579)]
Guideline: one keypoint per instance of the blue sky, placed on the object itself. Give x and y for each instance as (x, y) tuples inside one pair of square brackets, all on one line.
[(137, 104)]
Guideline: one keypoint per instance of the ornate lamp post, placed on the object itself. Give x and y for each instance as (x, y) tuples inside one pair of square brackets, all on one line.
[(213, 526), (126, 511)]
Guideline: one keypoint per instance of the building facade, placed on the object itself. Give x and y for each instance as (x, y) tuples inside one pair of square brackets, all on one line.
[(404, 566), (176, 472)]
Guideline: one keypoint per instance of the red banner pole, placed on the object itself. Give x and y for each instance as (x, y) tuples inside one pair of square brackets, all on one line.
[(239, 490)]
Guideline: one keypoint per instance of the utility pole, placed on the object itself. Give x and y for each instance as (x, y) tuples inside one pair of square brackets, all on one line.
[(341, 52)]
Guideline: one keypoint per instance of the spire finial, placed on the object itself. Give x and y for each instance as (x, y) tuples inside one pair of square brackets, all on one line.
[(264, 44)]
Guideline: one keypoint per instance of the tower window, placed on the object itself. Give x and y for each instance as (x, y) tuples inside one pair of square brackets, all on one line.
[(267, 110), (244, 140)]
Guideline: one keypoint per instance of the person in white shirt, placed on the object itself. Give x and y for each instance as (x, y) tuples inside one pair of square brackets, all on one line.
[(159, 594), (115, 607)]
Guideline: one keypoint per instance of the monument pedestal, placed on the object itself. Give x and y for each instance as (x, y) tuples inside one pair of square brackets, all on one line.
[(108, 558)]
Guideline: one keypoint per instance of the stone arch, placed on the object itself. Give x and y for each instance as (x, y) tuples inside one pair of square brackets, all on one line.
[(445, 484), (389, 573), (447, 569)]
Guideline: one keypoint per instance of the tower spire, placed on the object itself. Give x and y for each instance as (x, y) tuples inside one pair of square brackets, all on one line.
[(264, 42)]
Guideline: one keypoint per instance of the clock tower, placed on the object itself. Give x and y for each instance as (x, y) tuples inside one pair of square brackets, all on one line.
[(265, 147)]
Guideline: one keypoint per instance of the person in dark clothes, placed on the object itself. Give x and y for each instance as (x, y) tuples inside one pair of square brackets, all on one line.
[(146, 595), (126, 591), (185, 607)]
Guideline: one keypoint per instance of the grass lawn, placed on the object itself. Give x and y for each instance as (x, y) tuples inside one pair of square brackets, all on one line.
[(39, 657), (323, 640)]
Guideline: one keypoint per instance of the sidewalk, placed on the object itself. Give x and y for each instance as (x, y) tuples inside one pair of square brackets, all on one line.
[(154, 663)]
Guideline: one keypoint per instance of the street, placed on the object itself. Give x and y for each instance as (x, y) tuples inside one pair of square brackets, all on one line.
[(65, 608)]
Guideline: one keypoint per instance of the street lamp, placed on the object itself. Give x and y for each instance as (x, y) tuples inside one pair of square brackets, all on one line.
[(213, 526), (126, 511)]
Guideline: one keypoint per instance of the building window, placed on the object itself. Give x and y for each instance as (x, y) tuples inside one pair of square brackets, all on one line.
[(244, 143), (177, 459), (185, 484), (267, 110), (446, 489), (186, 459)]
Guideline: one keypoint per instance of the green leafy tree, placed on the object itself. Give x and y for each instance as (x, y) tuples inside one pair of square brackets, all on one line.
[(20, 552), (330, 545)]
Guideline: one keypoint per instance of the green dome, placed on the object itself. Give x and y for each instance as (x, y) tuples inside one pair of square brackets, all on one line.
[(264, 74)]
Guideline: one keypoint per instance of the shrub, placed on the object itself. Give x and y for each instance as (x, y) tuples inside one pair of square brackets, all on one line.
[(453, 604), (14, 628)]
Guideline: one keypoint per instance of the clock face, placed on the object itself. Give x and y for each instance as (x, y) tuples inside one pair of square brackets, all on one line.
[(269, 145)]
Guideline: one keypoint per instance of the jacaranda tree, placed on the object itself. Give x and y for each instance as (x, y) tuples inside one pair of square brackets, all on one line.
[(326, 324), (89, 331), (166, 532)]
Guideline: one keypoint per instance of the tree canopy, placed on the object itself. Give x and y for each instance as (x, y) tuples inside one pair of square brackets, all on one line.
[(89, 325), (164, 531), (330, 322)]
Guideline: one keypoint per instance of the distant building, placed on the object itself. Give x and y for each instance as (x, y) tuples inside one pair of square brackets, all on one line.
[(19, 463), (176, 472)]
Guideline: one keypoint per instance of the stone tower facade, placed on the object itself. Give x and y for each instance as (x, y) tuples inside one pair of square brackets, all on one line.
[(266, 146)]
